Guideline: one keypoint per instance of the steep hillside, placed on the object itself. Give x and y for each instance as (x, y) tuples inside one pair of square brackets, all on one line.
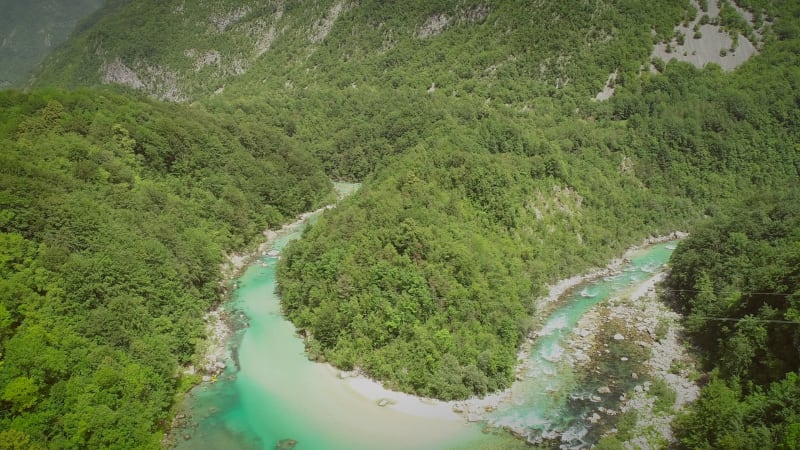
[(488, 167), (30, 30), (114, 214), (186, 50), (428, 278), (737, 279)]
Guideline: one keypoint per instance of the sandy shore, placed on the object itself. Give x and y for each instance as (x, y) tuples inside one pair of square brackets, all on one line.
[(398, 401)]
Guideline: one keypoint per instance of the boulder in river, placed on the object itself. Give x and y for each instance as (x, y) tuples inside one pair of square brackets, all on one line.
[(285, 444), (472, 417), (384, 402)]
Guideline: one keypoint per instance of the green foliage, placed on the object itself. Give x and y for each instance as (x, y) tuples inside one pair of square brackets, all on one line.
[(664, 395), (115, 215), (626, 425), (737, 280), (484, 204), (488, 173), (732, 21), (609, 443), (742, 265)]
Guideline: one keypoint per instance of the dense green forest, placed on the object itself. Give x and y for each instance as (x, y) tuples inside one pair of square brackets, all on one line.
[(737, 280), (115, 214), (488, 170), (428, 279)]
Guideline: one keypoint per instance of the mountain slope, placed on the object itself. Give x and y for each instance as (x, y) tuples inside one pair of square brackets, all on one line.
[(427, 279), (190, 50), (743, 265), (114, 214), (32, 29)]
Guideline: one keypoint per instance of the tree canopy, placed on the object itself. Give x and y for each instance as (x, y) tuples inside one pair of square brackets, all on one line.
[(114, 214)]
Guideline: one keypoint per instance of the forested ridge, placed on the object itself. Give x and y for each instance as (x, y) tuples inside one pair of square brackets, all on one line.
[(482, 216), (115, 215), (487, 170)]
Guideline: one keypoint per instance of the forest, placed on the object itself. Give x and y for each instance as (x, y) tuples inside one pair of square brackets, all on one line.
[(428, 279), (737, 281), (116, 211), (488, 171)]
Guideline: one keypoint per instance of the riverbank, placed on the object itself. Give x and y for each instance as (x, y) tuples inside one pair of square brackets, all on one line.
[(397, 401), (276, 393), (558, 289), (219, 326), (657, 387), (476, 409), (215, 353)]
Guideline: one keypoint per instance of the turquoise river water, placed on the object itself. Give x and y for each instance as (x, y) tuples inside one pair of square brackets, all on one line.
[(272, 393)]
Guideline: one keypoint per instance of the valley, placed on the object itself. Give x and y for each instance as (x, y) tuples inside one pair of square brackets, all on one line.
[(146, 159)]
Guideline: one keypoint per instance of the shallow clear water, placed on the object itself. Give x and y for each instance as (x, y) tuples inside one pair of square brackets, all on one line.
[(547, 403), (277, 394)]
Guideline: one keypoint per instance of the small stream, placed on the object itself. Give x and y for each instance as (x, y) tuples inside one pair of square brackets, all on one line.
[(273, 397)]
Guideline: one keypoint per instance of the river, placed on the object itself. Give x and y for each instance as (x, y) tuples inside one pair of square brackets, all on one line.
[(275, 396)]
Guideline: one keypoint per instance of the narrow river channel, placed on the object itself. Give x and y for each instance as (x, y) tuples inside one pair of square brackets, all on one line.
[(553, 400), (275, 398)]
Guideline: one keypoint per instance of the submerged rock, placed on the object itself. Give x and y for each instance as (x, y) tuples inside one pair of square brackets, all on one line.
[(285, 444), (384, 402)]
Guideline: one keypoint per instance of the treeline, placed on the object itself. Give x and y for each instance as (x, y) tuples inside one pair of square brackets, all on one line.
[(114, 215), (737, 280)]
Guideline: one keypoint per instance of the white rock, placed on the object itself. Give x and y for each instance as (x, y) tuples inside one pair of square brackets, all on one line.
[(619, 337)]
